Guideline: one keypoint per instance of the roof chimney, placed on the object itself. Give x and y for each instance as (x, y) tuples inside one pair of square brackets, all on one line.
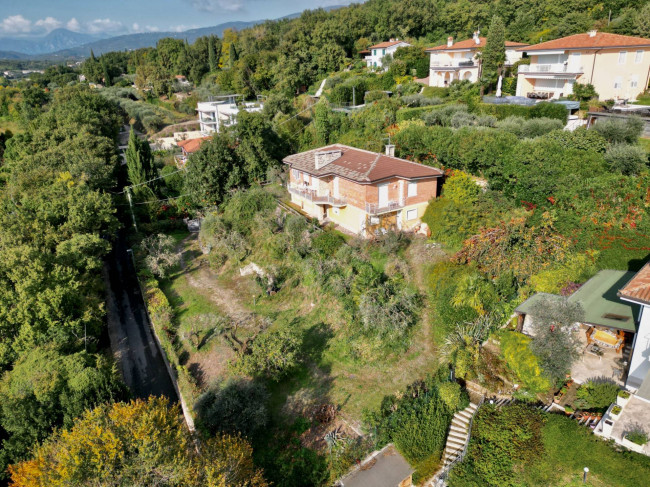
[(592, 33), (323, 158), (477, 40), (450, 41), (390, 150)]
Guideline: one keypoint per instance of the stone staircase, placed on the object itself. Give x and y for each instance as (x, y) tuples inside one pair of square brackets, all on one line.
[(458, 434)]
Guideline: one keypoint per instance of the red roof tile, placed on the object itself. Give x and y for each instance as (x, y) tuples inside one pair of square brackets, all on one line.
[(638, 288), (360, 166), (470, 44), (585, 41), (386, 44), (192, 145)]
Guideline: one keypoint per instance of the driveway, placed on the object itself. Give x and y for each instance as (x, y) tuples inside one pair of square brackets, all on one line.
[(134, 347)]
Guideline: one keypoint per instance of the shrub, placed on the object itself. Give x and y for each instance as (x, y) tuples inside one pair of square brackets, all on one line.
[(637, 436), (419, 100), (623, 394), (584, 92), (627, 159), (596, 394), (443, 115), (435, 91), (236, 406), (550, 110), (160, 254), (581, 139), (534, 127), (616, 410), (375, 95), (412, 113), (416, 422), (327, 243), (272, 355), (620, 131), (515, 349), (451, 395)]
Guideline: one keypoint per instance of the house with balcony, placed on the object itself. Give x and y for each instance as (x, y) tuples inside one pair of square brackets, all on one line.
[(365, 193), (378, 51), (222, 111), (459, 60), (617, 66)]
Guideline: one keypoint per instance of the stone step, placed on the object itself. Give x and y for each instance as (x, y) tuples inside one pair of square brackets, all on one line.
[(461, 428), (463, 414)]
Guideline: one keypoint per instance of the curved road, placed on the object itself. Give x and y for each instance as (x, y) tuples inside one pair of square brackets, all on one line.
[(132, 341)]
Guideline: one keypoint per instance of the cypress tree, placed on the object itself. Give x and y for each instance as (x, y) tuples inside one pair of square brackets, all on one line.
[(139, 163), (212, 61), (494, 52)]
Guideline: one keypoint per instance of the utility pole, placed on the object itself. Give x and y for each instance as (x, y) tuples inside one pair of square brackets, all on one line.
[(128, 195)]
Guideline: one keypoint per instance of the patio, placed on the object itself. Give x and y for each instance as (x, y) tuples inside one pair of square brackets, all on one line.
[(597, 362), (635, 414)]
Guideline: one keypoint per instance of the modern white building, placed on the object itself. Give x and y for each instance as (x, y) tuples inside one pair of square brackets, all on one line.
[(222, 111), (378, 51), (459, 60)]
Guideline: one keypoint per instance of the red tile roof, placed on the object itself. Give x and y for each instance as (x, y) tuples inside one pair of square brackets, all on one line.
[(585, 41), (386, 44), (360, 166), (470, 44), (638, 288), (192, 145)]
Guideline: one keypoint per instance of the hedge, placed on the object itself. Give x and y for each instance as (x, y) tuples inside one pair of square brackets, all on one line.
[(414, 112), (544, 109)]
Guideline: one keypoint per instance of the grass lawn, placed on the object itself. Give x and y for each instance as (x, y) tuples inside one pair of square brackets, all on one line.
[(570, 448)]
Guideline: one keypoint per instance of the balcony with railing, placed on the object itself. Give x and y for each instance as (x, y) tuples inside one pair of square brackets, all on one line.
[(454, 64), (378, 209), (550, 68), (313, 196)]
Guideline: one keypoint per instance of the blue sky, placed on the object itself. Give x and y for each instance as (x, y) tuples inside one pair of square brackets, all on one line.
[(37, 17)]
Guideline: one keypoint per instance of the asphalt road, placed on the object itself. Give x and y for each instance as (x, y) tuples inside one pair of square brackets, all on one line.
[(134, 347)]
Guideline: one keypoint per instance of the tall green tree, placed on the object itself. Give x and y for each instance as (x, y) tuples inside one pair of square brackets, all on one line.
[(139, 164), (493, 56)]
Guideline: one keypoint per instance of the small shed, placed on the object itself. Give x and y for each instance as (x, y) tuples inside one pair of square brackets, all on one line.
[(385, 468)]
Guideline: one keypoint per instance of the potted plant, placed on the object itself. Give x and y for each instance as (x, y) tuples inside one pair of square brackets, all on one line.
[(568, 410), (635, 440), (622, 398), (615, 411)]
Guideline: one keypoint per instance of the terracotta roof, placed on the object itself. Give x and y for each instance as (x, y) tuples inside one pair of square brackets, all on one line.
[(360, 166), (386, 44), (471, 43), (585, 41), (638, 288), (192, 145)]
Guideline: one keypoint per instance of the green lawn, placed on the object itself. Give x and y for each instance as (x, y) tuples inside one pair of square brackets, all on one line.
[(645, 143)]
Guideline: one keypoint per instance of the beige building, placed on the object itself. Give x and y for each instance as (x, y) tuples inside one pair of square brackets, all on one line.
[(459, 60), (618, 66), (363, 192)]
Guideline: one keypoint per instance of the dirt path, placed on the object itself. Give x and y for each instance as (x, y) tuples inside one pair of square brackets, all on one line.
[(204, 278)]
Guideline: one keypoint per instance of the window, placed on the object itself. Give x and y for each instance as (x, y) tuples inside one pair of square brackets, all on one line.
[(618, 82), (413, 189), (621, 57), (295, 174), (634, 81), (639, 57), (383, 52), (306, 178), (412, 215), (374, 52)]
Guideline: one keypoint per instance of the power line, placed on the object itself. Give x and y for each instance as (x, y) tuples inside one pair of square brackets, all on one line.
[(146, 182), (289, 119)]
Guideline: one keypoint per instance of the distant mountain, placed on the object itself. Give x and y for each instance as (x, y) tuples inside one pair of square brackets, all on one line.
[(62, 44), (56, 40), (146, 39)]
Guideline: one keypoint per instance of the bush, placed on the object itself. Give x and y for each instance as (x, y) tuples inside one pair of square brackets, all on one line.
[(584, 92), (619, 130), (627, 159), (416, 422), (550, 110), (327, 243), (419, 100), (540, 110), (637, 436), (443, 115), (236, 406), (435, 91), (530, 128), (272, 355), (596, 394), (515, 349), (413, 113), (581, 139)]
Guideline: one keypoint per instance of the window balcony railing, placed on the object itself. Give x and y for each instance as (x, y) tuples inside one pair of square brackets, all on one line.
[(313, 196), (464, 63), (550, 68), (377, 209)]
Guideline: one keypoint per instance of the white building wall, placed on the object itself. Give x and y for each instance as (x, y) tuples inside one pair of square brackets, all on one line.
[(640, 363)]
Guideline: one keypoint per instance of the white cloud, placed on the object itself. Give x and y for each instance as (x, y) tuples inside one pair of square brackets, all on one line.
[(48, 24), (182, 28), (103, 25), (73, 25), (217, 5), (16, 24)]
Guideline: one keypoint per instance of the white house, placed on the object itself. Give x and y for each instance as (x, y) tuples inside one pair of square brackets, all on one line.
[(382, 49), (222, 112), (459, 60)]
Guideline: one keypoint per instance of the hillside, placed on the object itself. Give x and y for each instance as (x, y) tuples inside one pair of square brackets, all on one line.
[(54, 41)]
